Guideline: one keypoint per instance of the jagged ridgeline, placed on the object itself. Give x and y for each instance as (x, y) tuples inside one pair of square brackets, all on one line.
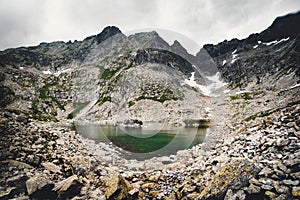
[(105, 77), (113, 75)]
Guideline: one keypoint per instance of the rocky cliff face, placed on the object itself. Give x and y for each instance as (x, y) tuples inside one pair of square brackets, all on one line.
[(261, 57), (251, 86)]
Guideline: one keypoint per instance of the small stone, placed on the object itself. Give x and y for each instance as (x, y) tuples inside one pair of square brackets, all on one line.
[(290, 182), (295, 175), (296, 191), (267, 187), (117, 183), (7, 192), (35, 183), (145, 187), (51, 167), (254, 181), (282, 142), (290, 124), (154, 178), (280, 188), (193, 196), (134, 193), (154, 193), (97, 194), (265, 172), (281, 197), (188, 189), (279, 173), (64, 185), (253, 189), (282, 167), (270, 194)]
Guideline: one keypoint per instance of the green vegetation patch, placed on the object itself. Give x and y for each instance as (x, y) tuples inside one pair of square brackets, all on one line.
[(160, 99), (130, 103), (108, 73), (245, 96)]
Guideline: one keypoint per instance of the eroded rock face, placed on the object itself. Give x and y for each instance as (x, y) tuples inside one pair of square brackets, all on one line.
[(35, 183)]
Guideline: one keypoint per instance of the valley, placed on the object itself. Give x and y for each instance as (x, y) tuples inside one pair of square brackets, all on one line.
[(132, 117)]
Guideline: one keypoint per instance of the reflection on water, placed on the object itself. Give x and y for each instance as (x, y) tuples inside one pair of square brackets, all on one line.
[(147, 141)]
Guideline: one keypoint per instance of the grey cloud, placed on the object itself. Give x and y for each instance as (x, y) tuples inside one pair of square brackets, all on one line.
[(32, 21)]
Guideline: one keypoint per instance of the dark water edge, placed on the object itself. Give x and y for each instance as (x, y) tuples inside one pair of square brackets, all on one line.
[(144, 142)]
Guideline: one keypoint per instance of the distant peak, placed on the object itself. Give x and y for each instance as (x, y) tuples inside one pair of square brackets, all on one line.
[(176, 46), (176, 43), (111, 29), (107, 32), (282, 27)]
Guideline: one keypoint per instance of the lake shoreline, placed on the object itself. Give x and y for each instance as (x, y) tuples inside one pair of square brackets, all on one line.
[(64, 159)]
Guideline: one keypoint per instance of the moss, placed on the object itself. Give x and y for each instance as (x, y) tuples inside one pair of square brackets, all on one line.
[(165, 95), (232, 98), (102, 100), (159, 99), (131, 103), (108, 73), (44, 117), (245, 96)]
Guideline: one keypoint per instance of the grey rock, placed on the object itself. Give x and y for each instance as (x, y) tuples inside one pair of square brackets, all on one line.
[(5, 194), (270, 194), (35, 183), (253, 189), (64, 185), (280, 188), (265, 172), (51, 167), (282, 142), (296, 191), (291, 182)]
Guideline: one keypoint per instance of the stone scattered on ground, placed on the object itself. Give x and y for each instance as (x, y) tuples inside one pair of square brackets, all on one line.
[(39, 160)]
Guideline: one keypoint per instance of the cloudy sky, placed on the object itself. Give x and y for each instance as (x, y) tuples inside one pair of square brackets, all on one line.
[(29, 22)]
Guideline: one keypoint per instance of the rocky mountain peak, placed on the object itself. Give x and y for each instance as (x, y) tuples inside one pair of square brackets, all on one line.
[(178, 48), (106, 33), (283, 27)]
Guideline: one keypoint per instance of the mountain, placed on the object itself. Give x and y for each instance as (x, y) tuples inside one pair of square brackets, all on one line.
[(262, 56), (246, 91)]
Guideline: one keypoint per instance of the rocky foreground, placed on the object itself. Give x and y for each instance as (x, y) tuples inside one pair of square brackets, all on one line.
[(260, 160)]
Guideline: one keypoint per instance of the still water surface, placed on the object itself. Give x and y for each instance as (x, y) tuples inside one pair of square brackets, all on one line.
[(147, 141)]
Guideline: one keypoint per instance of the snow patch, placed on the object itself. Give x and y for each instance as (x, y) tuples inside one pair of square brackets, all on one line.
[(47, 72), (276, 42), (255, 46), (21, 68), (234, 56), (62, 71), (243, 91), (226, 91), (207, 109), (191, 82), (295, 86), (270, 43), (208, 90), (224, 62)]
